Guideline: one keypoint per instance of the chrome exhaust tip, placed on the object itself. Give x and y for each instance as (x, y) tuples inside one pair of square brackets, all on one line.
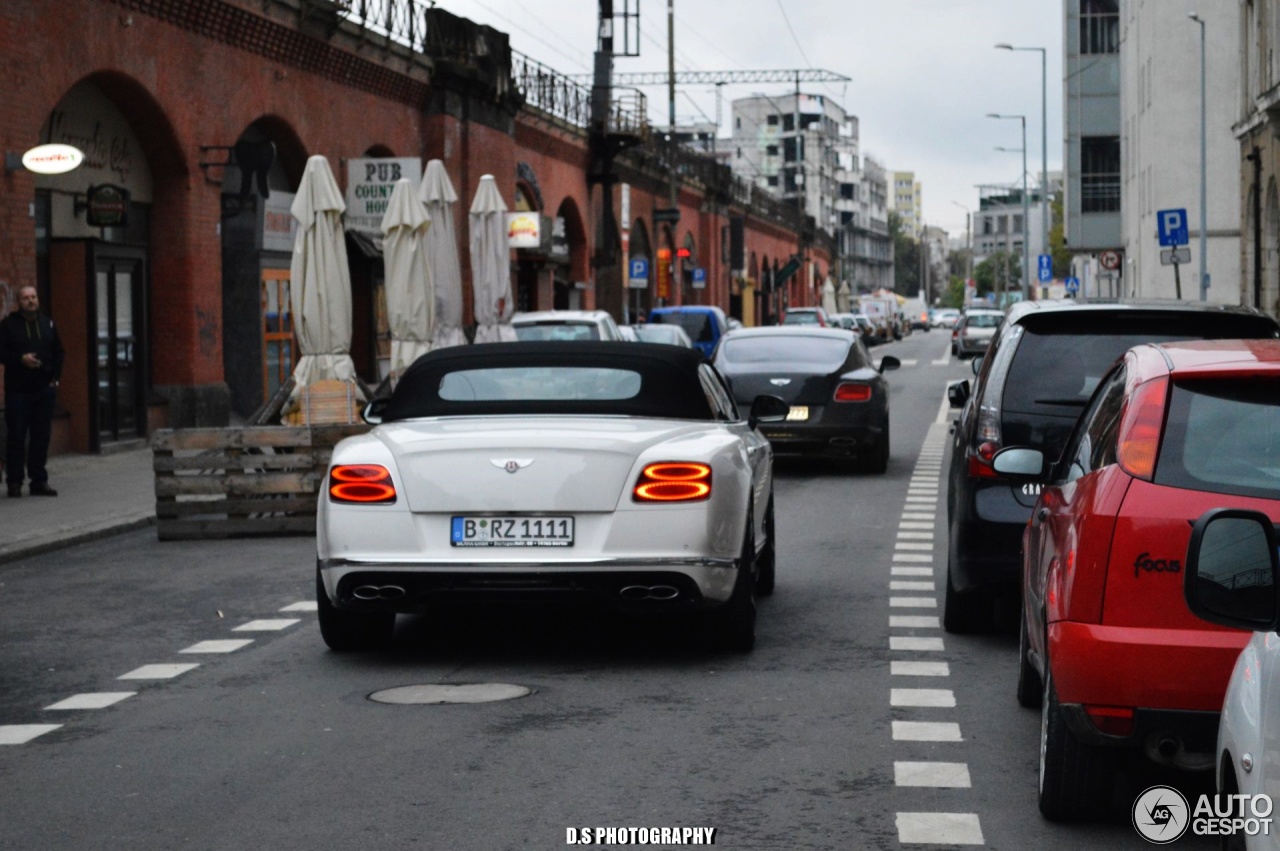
[(377, 592)]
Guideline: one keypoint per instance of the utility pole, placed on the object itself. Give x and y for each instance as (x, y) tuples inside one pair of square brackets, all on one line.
[(677, 273)]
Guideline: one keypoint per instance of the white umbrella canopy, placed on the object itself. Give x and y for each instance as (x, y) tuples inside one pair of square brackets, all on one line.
[(844, 297), (829, 296), (436, 192), (410, 295), (320, 285), (491, 265)]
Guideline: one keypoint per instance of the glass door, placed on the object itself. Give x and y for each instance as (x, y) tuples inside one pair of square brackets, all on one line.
[(118, 307)]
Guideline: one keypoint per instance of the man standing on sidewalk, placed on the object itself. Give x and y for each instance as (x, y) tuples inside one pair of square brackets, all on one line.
[(32, 356)]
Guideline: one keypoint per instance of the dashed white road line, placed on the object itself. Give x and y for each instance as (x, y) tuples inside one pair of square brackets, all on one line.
[(929, 697), (914, 622), (219, 645), (915, 642), (942, 775), (919, 669), (303, 606), (94, 700), (267, 625), (911, 571), (939, 829), (20, 734), (159, 672), (913, 603), (926, 731), (911, 585)]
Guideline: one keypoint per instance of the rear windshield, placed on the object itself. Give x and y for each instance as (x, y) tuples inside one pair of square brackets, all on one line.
[(800, 317), (984, 320), (696, 324), (539, 383), (557, 331), (825, 354), (1059, 362), (1223, 436)]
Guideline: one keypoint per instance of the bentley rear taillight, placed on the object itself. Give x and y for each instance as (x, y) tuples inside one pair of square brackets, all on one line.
[(673, 481), (368, 484), (852, 392)]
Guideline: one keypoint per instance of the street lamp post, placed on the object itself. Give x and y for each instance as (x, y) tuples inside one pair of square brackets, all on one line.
[(1026, 224), (968, 240), (1044, 136), (1204, 215)]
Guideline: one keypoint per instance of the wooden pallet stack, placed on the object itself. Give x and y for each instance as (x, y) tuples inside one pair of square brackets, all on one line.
[(230, 482)]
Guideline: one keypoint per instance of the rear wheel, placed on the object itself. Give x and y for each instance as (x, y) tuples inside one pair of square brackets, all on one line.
[(1030, 689), (352, 631), (878, 462), (964, 613), (733, 625), (766, 562), (1075, 778)]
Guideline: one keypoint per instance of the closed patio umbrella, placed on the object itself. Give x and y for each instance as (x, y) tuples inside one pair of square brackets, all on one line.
[(829, 296), (436, 192), (320, 282), (410, 296), (491, 265), (844, 298)]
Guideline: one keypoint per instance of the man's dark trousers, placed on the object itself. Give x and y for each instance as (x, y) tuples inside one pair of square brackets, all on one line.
[(28, 415)]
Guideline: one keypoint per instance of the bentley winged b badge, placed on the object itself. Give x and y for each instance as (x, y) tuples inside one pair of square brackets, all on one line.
[(511, 465)]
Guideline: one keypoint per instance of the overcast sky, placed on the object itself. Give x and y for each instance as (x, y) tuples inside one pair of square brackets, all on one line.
[(924, 73)]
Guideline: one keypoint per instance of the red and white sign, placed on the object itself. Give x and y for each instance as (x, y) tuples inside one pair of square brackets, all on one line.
[(1109, 260), (52, 159)]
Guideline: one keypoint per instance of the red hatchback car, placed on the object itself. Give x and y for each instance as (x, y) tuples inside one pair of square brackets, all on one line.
[(1109, 649)]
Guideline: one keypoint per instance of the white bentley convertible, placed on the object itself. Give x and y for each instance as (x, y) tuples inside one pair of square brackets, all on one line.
[(610, 472)]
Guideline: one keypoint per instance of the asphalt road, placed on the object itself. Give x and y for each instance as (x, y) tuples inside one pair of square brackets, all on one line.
[(277, 744)]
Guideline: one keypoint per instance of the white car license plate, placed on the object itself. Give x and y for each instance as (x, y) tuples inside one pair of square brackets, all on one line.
[(798, 414), (511, 532)]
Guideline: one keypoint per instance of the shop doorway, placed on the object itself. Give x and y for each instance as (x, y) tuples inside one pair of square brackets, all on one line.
[(119, 309)]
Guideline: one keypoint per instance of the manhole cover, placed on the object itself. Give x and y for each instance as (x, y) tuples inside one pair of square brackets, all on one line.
[(464, 693)]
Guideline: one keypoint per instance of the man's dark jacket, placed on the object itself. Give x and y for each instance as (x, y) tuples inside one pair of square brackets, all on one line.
[(18, 336)]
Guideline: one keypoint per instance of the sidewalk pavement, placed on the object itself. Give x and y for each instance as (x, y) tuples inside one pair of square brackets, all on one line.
[(98, 495)]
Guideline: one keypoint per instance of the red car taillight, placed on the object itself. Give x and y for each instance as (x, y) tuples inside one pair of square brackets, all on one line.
[(368, 484), (1140, 427), (980, 461), (850, 392), (673, 481)]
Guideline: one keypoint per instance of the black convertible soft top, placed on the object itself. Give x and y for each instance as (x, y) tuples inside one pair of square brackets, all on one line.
[(669, 384)]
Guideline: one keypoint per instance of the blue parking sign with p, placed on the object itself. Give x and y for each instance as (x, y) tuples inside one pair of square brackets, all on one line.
[(1046, 268), (638, 272), (1171, 227)]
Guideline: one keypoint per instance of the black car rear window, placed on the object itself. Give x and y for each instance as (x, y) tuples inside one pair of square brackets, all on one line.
[(1223, 436), (822, 353), (1061, 359), (695, 323)]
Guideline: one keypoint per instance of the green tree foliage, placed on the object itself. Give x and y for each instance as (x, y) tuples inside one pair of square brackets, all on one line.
[(1058, 241), (906, 258)]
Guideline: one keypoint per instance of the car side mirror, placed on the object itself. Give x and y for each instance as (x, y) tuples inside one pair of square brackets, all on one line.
[(889, 362), (976, 364), (1019, 462), (1231, 569), (374, 411), (767, 409), (958, 393)]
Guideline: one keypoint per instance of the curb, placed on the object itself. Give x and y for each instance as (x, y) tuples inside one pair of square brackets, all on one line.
[(69, 538)]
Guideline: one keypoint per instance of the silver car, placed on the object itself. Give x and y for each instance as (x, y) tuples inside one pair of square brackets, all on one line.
[(976, 330)]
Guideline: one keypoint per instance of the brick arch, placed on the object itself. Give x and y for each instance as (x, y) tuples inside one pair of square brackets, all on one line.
[(576, 233), (155, 132), (291, 153)]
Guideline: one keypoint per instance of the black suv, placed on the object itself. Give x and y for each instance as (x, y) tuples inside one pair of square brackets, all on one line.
[(1031, 386)]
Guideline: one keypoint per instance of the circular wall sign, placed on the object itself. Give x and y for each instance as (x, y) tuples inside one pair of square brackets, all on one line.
[(52, 159), (1110, 260)]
